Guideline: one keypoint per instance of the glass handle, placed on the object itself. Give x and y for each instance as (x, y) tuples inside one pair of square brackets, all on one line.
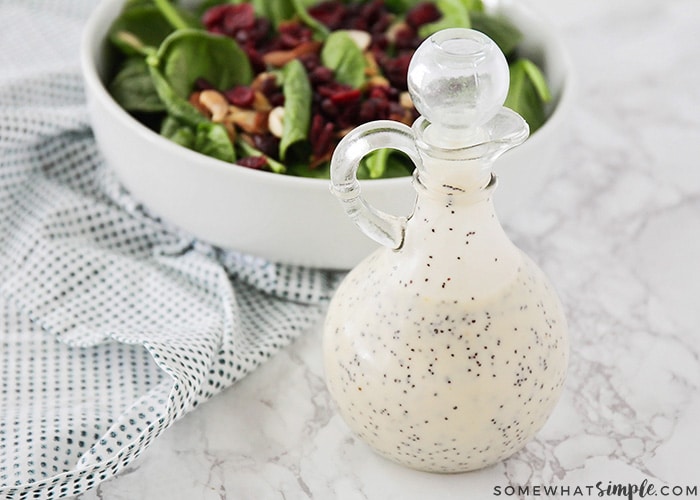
[(381, 227)]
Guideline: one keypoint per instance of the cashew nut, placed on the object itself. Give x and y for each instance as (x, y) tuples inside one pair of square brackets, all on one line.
[(215, 103), (275, 121)]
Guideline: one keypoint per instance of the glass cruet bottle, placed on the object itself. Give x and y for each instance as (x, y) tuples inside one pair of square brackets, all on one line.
[(446, 348)]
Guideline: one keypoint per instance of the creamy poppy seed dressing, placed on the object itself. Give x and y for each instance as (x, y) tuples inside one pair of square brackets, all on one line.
[(435, 367), (446, 349)]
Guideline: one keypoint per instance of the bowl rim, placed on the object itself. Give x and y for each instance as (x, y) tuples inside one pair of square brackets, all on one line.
[(93, 40)]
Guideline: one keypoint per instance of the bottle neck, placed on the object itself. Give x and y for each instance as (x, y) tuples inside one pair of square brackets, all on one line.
[(463, 186), (461, 160), (454, 234), (454, 201), (452, 163), (455, 239)]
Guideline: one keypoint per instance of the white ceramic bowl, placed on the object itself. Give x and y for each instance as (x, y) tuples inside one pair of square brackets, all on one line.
[(284, 218)]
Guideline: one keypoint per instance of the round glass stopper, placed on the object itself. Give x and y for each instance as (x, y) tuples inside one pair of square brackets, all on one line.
[(458, 79)]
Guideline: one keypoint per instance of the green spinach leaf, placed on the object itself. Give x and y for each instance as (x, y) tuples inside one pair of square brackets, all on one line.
[(132, 87), (205, 5), (538, 79), (211, 139), (249, 150), (275, 12), (499, 29), (345, 58), (300, 9), (454, 15), (383, 164), (375, 163), (138, 26), (190, 54), (178, 18), (527, 95), (136, 3), (178, 107), (297, 106), (206, 137), (301, 169), (400, 6), (474, 5), (178, 133)]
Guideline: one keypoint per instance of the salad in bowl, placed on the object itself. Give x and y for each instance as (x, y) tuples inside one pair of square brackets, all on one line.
[(219, 117), (275, 85)]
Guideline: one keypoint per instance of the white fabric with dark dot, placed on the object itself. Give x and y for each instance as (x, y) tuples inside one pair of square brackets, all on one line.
[(113, 325)]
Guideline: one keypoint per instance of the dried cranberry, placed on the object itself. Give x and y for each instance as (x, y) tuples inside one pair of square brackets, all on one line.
[(320, 75), (329, 108), (256, 60), (324, 141), (380, 43), (380, 26), (268, 85), (346, 96), (255, 162), (203, 84), (239, 16), (423, 13), (240, 96), (238, 22), (348, 117), (260, 30), (406, 38), (359, 23), (310, 60), (216, 30), (214, 15), (291, 34), (267, 143), (379, 92), (374, 108), (243, 38), (329, 13), (332, 88), (317, 123), (396, 70), (372, 11), (276, 99)]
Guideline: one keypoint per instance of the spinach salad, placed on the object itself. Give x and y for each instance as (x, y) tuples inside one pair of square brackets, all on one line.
[(275, 85)]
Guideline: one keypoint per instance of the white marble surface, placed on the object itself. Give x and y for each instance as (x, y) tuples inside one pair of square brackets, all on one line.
[(618, 232)]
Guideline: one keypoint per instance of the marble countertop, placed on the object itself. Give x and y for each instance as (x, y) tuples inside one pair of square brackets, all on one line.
[(618, 232)]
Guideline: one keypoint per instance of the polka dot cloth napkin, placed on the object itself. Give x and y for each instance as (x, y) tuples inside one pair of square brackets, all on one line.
[(112, 325)]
